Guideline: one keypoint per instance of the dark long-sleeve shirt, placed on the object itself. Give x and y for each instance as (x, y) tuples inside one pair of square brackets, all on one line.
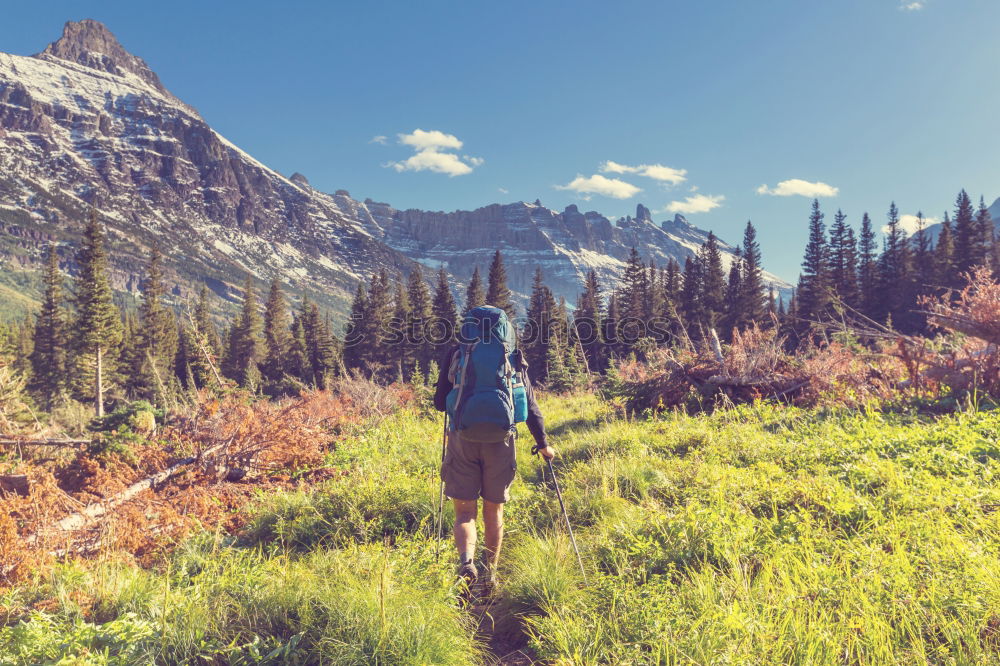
[(535, 421)]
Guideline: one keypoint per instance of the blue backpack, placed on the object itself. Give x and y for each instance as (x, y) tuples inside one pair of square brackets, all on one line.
[(488, 395)]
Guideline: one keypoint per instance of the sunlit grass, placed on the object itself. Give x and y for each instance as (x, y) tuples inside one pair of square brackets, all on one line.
[(760, 534)]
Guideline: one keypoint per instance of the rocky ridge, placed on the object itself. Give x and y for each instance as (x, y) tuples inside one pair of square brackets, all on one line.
[(86, 123)]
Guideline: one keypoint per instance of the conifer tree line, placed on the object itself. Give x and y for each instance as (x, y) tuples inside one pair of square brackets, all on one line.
[(81, 345), (388, 337), (399, 330), (844, 273), (84, 346), (665, 305)]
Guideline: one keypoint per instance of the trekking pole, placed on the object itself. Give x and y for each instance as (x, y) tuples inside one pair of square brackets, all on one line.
[(555, 482), (440, 517)]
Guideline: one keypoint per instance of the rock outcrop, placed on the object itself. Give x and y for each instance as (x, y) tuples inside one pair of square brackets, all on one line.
[(86, 123)]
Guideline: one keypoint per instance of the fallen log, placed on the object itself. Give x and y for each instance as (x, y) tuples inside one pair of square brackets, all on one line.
[(747, 382), (985, 331), (44, 442), (14, 483), (91, 512)]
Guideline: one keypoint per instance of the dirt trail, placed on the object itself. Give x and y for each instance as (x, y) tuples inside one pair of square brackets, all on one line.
[(505, 641)]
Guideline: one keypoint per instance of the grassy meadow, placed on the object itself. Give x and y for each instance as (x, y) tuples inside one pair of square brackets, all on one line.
[(754, 535)]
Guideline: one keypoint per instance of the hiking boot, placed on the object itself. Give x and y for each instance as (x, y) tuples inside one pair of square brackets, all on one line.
[(468, 573), (489, 581)]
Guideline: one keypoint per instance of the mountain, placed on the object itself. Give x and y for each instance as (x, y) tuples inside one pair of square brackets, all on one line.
[(564, 244), (86, 123)]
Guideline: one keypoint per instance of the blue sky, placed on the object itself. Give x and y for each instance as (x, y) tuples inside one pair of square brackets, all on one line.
[(696, 103)]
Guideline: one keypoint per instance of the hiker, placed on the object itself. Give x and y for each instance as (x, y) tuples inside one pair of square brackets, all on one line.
[(483, 386)]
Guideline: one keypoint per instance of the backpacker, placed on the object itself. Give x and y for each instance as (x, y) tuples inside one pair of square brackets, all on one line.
[(488, 395)]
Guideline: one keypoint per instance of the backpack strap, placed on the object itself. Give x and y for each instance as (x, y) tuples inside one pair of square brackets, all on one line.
[(465, 353)]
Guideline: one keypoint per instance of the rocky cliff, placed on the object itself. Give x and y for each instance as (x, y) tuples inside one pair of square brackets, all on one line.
[(86, 123), (564, 244)]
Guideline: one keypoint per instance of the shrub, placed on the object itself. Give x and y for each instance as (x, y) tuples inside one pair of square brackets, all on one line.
[(139, 412)]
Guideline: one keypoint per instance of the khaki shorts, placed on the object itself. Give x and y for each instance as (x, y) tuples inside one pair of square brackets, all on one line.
[(472, 470)]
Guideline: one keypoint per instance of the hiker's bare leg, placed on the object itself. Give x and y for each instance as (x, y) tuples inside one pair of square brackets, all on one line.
[(465, 528), (493, 523)]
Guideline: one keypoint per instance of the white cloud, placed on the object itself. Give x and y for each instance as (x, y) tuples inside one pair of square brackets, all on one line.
[(911, 224), (429, 140), (432, 160), (698, 203), (430, 155), (598, 184), (503, 190), (912, 5), (380, 139), (658, 172), (799, 187)]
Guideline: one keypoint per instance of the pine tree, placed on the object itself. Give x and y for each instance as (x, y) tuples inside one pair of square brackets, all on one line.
[(355, 332), (713, 281), (399, 345), (377, 355), (98, 327), (186, 356), (297, 363), (734, 316), (944, 255), (48, 357), (538, 331), (587, 322), (203, 320), (867, 269), (671, 283), (421, 313), (654, 302), (445, 317), (968, 251), (246, 348), (814, 284), (691, 305), (156, 340), (984, 232), (329, 354), (895, 278), (321, 357), (752, 301), (634, 290), (558, 376), (610, 330), (564, 372), (844, 261), (203, 344), (277, 337), (497, 293), (474, 294), (924, 266)]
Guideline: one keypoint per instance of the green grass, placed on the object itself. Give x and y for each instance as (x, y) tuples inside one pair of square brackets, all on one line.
[(755, 535)]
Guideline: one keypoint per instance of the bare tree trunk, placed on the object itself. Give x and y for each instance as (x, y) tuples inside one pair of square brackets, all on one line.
[(99, 389)]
